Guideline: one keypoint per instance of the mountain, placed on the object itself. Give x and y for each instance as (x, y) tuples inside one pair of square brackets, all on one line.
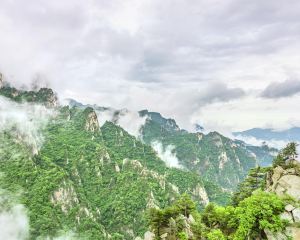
[(265, 207), (213, 156), (73, 175), (292, 134)]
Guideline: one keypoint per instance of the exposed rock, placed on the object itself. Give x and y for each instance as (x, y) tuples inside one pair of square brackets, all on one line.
[(174, 188), (223, 159), (92, 123), (286, 182), (65, 196), (151, 203), (149, 236), (294, 232), (164, 236), (289, 208), (200, 192), (275, 236), (287, 216), (117, 168), (296, 215), (289, 184), (278, 171), (1, 80), (291, 171), (191, 219)]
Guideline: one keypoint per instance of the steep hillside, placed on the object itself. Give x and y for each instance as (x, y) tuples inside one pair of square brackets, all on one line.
[(95, 182), (213, 156), (266, 207)]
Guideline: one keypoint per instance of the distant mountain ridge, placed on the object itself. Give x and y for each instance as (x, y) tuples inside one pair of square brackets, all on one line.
[(267, 134), (97, 181), (213, 156)]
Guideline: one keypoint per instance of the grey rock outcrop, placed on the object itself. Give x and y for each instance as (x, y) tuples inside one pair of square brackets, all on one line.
[(1, 80), (286, 182), (92, 123)]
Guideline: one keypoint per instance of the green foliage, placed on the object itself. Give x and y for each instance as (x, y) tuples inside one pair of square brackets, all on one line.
[(104, 192), (216, 235), (258, 212), (246, 221), (286, 154), (201, 153), (256, 179), (43, 95), (182, 236), (172, 217)]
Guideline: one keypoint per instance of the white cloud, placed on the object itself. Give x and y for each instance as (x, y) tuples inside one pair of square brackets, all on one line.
[(278, 144), (25, 120), (166, 154), (13, 221), (158, 55), (129, 120)]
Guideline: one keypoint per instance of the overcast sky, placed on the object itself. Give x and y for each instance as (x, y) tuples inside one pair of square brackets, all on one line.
[(228, 64)]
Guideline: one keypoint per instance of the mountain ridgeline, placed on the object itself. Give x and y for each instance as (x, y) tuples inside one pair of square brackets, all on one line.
[(213, 156), (97, 182), (292, 134)]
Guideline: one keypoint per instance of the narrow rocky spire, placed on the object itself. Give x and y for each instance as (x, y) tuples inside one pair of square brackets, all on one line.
[(1, 80)]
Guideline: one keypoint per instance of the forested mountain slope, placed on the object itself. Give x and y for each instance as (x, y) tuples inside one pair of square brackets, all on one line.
[(72, 175), (265, 207), (213, 156)]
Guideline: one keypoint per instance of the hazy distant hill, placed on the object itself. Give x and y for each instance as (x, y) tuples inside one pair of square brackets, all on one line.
[(292, 134)]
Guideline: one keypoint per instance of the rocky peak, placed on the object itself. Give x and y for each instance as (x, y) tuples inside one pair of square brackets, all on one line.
[(1, 80), (49, 97), (91, 122), (285, 181)]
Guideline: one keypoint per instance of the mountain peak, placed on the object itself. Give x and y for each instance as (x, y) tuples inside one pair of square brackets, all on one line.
[(91, 123), (45, 96)]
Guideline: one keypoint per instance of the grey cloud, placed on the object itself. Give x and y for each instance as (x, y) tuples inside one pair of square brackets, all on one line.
[(287, 88), (221, 92), (110, 51)]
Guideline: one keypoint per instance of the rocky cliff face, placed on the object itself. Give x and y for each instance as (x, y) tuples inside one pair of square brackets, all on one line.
[(91, 123), (213, 156), (1, 80), (285, 182)]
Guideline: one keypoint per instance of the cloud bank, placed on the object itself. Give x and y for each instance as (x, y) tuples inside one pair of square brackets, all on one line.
[(14, 224), (176, 57), (13, 218), (129, 120), (277, 90), (166, 154), (25, 120)]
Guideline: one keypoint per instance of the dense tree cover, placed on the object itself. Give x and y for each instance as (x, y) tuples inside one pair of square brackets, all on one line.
[(286, 154), (256, 179), (121, 145), (94, 183), (213, 156), (247, 220), (251, 211), (102, 182), (41, 96)]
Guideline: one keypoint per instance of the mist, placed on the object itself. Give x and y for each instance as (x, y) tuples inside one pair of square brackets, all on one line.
[(166, 154), (13, 218), (25, 120), (131, 121)]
